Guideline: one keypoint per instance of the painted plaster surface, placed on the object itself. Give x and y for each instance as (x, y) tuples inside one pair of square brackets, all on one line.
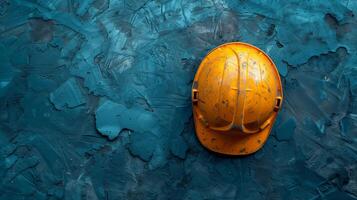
[(95, 99)]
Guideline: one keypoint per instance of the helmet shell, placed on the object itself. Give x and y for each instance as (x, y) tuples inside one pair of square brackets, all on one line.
[(236, 92)]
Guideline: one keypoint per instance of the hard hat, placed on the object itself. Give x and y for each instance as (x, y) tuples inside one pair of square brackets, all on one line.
[(236, 95)]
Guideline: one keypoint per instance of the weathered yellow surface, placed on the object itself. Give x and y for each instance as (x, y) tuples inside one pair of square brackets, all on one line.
[(236, 95)]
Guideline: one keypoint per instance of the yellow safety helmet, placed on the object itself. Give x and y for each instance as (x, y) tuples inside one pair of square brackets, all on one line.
[(236, 95)]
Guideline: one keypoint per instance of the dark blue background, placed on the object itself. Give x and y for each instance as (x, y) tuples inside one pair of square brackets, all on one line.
[(95, 99)]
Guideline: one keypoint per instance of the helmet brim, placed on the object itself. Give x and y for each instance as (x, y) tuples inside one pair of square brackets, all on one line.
[(237, 143)]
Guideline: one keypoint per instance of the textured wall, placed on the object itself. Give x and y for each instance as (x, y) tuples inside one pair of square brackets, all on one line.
[(95, 99)]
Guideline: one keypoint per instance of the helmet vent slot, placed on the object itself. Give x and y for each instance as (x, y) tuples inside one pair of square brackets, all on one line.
[(277, 103), (195, 96), (195, 92)]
